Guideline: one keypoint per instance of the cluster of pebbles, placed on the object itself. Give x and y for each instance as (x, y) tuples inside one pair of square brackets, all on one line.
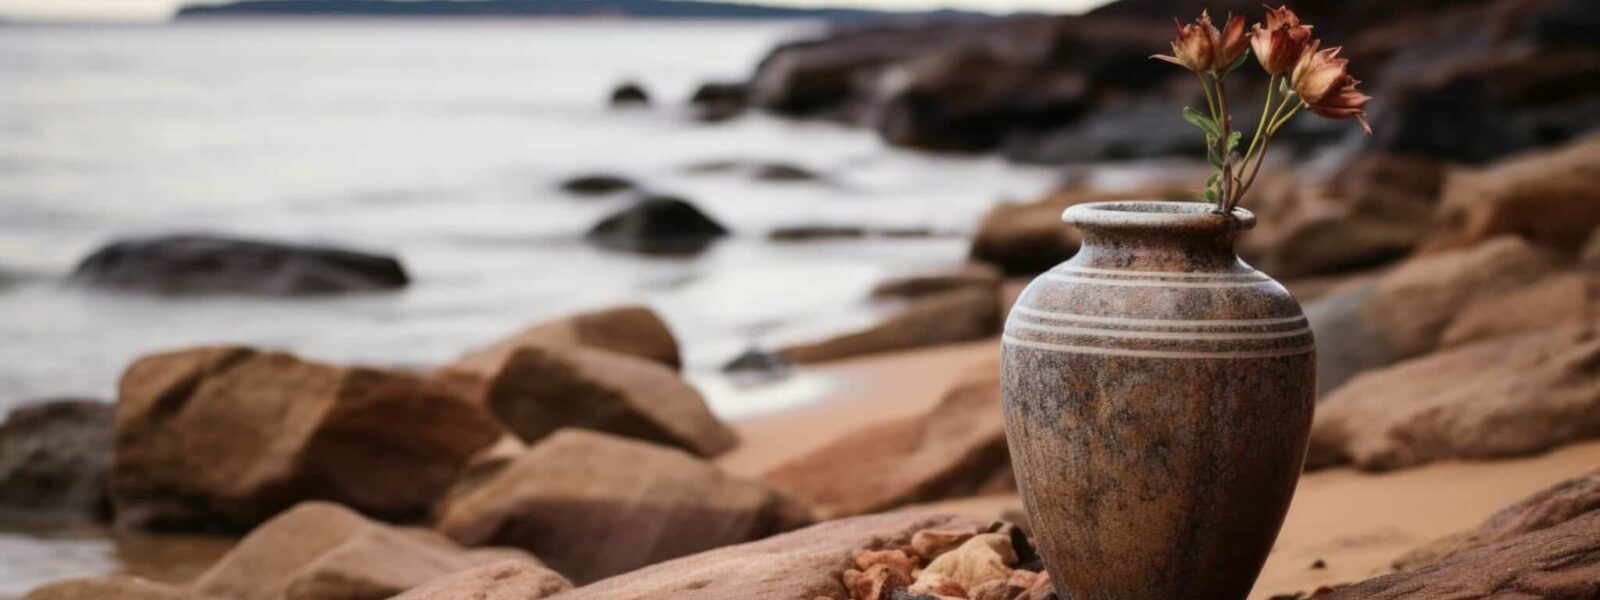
[(944, 564)]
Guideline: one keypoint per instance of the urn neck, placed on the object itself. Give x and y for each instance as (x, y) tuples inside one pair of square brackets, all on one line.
[(1158, 236)]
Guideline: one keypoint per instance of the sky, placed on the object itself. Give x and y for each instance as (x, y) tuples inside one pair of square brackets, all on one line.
[(158, 10)]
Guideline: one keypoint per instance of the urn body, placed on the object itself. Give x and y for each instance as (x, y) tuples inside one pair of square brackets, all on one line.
[(1158, 396)]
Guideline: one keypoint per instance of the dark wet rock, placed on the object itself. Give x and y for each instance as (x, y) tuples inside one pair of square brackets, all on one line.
[(945, 318), (756, 361), (821, 233), (630, 94), (537, 389), (323, 551), (783, 172), (658, 225), (223, 438), (720, 101), (1138, 130), (597, 184), (1561, 562), (956, 449), (801, 564), (203, 264), (1499, 398), (594, 505), (54, 456)]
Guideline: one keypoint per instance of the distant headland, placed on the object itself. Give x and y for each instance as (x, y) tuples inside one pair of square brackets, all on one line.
[(531, 8)]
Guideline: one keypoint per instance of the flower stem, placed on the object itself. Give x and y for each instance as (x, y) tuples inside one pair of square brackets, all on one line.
[(1229, 184), (1272, 82)]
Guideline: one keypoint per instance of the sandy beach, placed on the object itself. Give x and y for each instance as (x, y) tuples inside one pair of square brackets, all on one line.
[(1356, 524)]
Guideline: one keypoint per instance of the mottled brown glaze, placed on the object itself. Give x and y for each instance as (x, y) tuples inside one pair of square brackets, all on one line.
[(1158, 394)]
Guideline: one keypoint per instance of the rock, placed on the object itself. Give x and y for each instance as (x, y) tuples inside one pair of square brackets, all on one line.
[(224, 437), (897, 559), (114, 587), (539, 389), (1139, 129), (504, 580), (945, 318), (956, 449), (597, 184), (801, 564), (1550, 197), (813, 233), (200, 264), (1405, 312), (322, 551), (593, 505), (1558, 563), (1499, 398), (980, 276), (658, 225), (1030, 238), (720, 101), (756, 362), (1041, 589), (979, 560), (632, 330), (53, 461), (876, 583), (784, 173), (1550, 507), (1555, 299), (630, 93), (1590, 255), (931, 543)]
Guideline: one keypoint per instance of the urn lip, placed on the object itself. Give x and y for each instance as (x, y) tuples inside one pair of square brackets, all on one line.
[(1158, 216)]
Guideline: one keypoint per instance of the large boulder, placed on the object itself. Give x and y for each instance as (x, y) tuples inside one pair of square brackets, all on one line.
[(203, 264), (1405, 312), (504, 580), (1556, 299), (634, 330), (803, 564), (1547, 508), (1498, 398), (977, 276), (115, 587), (593, 505), (658, 225), (538, 389), (956, 449), (944, 318), (225, 437), (53, 461), (1550, 197), (1029, 237), (1558, 563), (321, 551)]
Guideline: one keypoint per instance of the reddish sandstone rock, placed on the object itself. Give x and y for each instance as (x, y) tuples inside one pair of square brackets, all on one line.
[(632, 330), (980, 560), (225, 437), (1548, 508), (1550, 301), (979, 276), (593, 505), (1498, 398), (115, 587), (876, 583), (504, 580), (943, 318), (1029, 238), (1551, 197), (320, 551), (931, 543), (807, 563), (1405, 312), (540, 389), (1561, 562), (957, 449)]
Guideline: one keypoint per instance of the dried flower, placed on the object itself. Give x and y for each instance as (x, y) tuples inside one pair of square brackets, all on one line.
[(1229, 44), (1327, 88), (1195, 47), (1279, 44)]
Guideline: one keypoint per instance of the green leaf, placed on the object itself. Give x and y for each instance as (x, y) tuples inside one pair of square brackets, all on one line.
[(1211, 196), (1203, 122), (1239, 61), (1233, 140), (1211, 184), (1216, 159)]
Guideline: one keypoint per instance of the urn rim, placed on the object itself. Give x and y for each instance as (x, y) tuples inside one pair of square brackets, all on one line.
[(1158, 216)]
